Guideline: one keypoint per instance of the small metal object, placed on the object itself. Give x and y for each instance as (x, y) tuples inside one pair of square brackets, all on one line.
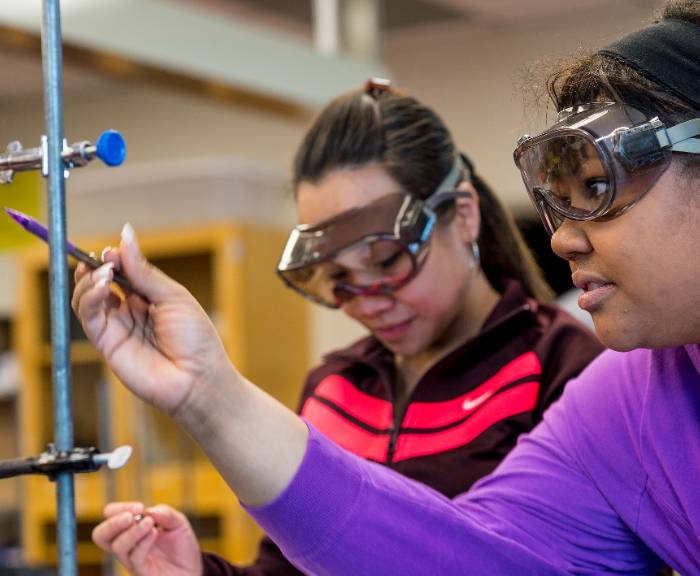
[(377, 85), (138, 518), (110, 148)]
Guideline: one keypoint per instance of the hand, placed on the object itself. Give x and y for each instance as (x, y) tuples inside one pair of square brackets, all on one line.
[(163, 347), (161, 543), (159, 345)]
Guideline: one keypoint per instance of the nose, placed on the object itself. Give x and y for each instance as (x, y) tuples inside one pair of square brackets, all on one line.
[(368, 306), (570, 240)]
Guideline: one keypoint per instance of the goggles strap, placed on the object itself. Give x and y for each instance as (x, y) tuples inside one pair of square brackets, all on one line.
[(689, 146), (448, 184), (452, 179), (681, 137)]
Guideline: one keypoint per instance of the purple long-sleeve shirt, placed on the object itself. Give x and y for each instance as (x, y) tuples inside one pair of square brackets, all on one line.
[(609, 482)]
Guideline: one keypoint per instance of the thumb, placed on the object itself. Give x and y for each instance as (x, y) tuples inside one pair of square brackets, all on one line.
[(144, 277), (167, 517)]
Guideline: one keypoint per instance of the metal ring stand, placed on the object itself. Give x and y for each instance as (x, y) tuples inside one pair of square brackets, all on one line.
[(55, 158)]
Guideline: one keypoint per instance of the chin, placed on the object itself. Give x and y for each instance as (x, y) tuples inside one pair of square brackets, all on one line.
[(617, 336), (619, 345), (402, 348)]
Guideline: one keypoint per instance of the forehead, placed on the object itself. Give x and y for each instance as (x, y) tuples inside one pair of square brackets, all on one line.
[(341, 190)]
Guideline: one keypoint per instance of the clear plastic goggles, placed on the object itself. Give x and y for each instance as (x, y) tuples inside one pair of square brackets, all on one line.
[(370, 250), (598, 161)]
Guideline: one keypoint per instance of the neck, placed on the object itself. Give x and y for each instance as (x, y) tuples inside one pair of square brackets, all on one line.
[(478, 302)]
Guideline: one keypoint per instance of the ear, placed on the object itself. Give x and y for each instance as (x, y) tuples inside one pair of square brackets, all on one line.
[(467, 217)]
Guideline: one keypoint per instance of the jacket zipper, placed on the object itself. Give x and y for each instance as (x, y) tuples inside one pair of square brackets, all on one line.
[(396, 423), (394, 433)]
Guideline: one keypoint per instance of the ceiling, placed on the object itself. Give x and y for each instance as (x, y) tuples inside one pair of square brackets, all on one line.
[(296, 15), (22, 74), (20, 60)]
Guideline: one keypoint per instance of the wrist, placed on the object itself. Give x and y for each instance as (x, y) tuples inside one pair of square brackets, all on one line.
[(209, 400), (254, 441)]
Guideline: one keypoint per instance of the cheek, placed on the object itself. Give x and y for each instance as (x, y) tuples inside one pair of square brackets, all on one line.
[(647, 253), (439, 284)]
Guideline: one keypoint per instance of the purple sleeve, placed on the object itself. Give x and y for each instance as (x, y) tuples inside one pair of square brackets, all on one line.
[(342, 515), (542, 512)]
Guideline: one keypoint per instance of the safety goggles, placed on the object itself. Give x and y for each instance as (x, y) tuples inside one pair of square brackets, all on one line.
[(598, 161), (370, 250)]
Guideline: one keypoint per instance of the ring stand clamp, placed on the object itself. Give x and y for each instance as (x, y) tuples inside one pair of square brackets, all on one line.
[(78, 460)]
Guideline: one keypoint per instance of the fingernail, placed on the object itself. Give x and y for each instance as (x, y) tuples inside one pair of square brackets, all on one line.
[(128, 234), (101, 283), (102, 273), (104, 252)]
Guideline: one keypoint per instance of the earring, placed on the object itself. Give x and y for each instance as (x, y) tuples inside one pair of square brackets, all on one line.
[(476, 253)]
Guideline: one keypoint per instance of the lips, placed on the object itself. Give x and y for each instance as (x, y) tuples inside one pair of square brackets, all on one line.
[(595, 285), (393, 331), (596, 290), (588, 281)]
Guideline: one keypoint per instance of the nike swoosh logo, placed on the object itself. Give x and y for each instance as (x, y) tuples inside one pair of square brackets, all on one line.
[(470, 404)]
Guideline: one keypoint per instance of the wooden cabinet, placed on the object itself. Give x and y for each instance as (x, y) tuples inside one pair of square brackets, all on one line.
[(230, 270), (9, 487)]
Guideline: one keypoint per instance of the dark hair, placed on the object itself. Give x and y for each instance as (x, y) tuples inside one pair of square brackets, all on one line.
[(413, 144), (589, 78)]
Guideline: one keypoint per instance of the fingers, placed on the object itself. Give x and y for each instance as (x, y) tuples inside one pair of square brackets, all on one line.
[(80, 271), (126, 536), (90, 297), (137, 555), (114, 508), (132, 545), (85, 280), (119, 516), (167, 518), (108, 531), (146, 279), (110, 254)]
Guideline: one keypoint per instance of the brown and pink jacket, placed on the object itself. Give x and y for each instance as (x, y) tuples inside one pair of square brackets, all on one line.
[(464, 415)]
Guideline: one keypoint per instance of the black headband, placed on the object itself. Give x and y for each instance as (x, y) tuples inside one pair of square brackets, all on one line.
[(667, 52)]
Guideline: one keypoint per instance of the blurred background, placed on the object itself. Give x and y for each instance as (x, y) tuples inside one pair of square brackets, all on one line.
[(212, 97)]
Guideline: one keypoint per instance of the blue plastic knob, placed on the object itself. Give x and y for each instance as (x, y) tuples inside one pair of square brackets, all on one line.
[(111, 148)]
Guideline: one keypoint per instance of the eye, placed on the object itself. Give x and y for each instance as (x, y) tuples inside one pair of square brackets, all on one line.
[(338, 275), (596, 187), (390, 261)]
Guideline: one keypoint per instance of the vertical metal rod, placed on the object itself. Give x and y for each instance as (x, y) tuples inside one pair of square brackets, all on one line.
[(326, 27), (58, 282), (361, 29)]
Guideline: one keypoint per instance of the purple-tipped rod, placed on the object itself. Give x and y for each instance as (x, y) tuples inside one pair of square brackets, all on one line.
[(40, 231)]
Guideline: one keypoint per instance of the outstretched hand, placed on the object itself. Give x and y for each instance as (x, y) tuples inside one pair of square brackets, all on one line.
[(162, 346), (156, 541), (158, 342)]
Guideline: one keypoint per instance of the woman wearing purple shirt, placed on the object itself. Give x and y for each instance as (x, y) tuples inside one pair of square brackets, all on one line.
[(608, 483)]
